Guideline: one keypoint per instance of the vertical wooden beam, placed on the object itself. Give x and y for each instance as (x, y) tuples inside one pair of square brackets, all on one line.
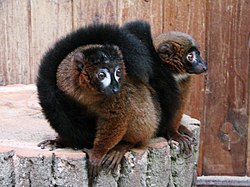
[(14, 45), (227, 95), (248, 141), (49, 20), (87, 12), (151, 11)]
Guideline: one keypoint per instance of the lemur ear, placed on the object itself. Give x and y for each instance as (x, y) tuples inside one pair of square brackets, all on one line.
[(166, 49), (79, 60)]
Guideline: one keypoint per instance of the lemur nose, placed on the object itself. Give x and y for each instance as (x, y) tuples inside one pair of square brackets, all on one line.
[(205, 68), (115, 90)]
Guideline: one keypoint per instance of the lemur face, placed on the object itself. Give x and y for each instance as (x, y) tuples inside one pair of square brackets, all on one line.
[(184, 59), (107, 79), (193, 62), (103, 67), (181, 52)]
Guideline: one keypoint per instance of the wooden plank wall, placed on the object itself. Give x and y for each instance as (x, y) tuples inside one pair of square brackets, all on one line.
[(227, 97), (220, 99)]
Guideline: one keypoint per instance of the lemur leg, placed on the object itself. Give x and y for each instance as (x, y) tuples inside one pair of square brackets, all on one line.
[(53, 144), (184, 130), (115, 155), (109, 134), (183, 140)]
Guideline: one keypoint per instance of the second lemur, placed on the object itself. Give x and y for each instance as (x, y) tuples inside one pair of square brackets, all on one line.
[(126, 110), (180, 52), (176, 56)]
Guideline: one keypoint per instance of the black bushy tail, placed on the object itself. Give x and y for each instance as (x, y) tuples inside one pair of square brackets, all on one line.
[(142, 30)]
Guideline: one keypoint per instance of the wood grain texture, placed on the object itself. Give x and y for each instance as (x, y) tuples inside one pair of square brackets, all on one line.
[(14, 45), (87, 12), (248, 141), (227, 95), (248, 144), (49, 21), (151, 11)]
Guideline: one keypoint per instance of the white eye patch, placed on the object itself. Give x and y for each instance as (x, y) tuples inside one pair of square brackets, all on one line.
[(104, 76), (191, 57), (118, 73)]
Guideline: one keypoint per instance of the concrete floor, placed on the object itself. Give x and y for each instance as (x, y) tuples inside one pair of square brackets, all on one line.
[(22, 124)]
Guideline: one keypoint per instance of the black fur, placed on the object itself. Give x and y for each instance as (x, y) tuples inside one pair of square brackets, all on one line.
[(162, 80), (72, 121)]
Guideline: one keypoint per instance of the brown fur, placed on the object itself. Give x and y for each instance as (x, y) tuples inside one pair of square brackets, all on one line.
[(126, 119), (184, 86), (172, 48)]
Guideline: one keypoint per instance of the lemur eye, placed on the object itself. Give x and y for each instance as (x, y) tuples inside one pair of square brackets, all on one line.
[(190, 57), (101, 75), (118, 72)]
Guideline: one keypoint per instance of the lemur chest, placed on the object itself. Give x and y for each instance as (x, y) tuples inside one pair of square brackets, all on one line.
[(183, 83)]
